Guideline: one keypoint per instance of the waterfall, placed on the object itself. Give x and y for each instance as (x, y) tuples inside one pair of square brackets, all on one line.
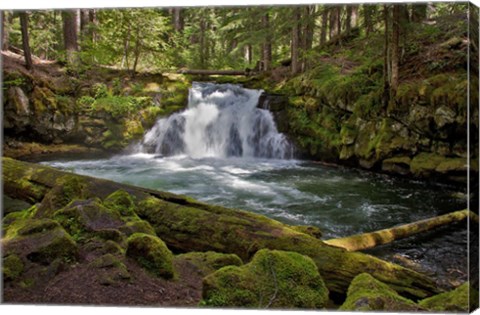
[(222, 120)]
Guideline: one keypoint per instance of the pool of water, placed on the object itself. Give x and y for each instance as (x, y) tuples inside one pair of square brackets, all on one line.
[(340, 201)]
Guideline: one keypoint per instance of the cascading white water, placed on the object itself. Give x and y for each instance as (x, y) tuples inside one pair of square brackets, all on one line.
[(222, 120)]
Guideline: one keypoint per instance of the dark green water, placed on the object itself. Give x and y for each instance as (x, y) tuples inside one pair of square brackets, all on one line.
[(339, 201)]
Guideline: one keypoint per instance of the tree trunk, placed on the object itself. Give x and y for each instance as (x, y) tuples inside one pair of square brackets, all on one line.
[(213, 72), (385, 236), (323, 29), (395, 48), (203, 47), (386, 58), (187, 225), (419, 12), (178, 19), (92, 13), (354, 19), (4, 35), (339, 19), (126, 48), (136, 51), (295, 43), (84, 21), (348, 19), (267, 44), (70, 36), (25, 40), (368, 12), (306, 35), (248, 54)]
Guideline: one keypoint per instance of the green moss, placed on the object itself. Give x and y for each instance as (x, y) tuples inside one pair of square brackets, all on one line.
[(308, 229), (425, 164), (12, 267), (208, 262), (366, 293), (454, 301), (121, 201), (152, 254), (275, 279)]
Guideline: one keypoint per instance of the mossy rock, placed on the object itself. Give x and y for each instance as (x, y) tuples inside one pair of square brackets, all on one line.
[(40, 241), (208, 262), (12, 267), (152, 254), (113, 268), (424, 164), (366, 293), (122, 202), (274, 279), (137, 226), (13, 205), (453, 301), (82, 216), (308, 229), (397, 165)]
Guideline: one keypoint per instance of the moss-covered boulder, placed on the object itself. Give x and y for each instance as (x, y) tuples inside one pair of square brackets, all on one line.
[(308, 229), (84, 217), (122, 202), (368, 294), (12, 267), (40, 241), (457, 300), (152, 254), (274, 279), (208, 262)]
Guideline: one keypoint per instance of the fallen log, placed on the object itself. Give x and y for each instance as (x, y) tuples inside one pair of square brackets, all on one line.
[(372, 239), (214, 72), (187, 225)]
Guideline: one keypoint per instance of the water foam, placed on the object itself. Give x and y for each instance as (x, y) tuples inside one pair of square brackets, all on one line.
[(222, 120)]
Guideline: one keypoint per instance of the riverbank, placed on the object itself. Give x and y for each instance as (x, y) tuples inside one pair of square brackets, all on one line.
[(128, 238)]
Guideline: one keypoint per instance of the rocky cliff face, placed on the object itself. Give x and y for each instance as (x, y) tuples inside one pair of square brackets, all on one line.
[(104, 109)]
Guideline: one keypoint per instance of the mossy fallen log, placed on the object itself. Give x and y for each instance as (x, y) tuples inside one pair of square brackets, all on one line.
[(385, 236), (187, 225)]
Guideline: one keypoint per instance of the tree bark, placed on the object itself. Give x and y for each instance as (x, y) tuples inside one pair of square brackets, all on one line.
[(368, 12), (295, 42), (25, 40), (386, 58), (70, 37), (249, 54), (4, 35), (92, 13), (187, 225), (267, 44), (178, 19), (395, 49), (136, 51), (354, 19), (307, 36), (385, 236), (203, 48), (323, 29), (348, 19)]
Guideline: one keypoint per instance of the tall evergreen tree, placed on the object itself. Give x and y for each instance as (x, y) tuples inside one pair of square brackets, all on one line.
[(70, 37), (25, 40)]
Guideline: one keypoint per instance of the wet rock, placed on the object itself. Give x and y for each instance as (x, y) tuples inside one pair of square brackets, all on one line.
[(397, 165), (273, 279), (308, 229)]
